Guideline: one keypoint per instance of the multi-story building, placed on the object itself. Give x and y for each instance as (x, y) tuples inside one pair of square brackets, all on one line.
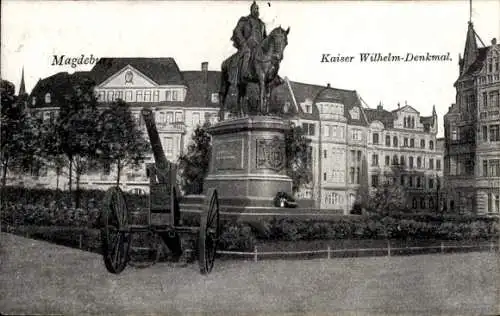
[(353, 147), (472, 131)]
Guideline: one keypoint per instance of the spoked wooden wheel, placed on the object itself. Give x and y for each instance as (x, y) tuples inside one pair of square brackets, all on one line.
[(115, 234), (209, 232)]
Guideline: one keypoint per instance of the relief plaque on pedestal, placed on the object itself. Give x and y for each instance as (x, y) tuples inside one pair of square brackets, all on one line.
[(228, 155)]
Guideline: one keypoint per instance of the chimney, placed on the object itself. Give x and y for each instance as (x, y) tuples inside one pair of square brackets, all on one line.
[(328, 85), (204, 66), (399, 105), (493, 41), (380, 106)]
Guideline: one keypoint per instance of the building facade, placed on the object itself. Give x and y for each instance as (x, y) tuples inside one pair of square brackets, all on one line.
[(354, 148), (472, 131)]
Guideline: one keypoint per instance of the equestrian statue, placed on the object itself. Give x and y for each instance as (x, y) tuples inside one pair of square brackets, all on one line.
[(256, 61)]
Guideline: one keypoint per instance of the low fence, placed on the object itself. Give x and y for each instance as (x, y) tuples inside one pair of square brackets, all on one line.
[(79, 239), (386, 251)]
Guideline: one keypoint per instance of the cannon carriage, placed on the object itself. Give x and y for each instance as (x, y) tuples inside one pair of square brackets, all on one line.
[(163, 216)]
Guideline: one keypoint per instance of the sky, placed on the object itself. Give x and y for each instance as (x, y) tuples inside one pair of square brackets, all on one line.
[(192, 32)]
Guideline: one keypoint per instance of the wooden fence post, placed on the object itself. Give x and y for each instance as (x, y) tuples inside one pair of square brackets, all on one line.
[(388, 248), (255, 254), (80, 241), (328, 252)]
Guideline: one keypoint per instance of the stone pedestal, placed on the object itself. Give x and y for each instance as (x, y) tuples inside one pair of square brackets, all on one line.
[(248, 163)]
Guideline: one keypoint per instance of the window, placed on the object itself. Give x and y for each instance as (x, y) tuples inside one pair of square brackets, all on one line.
[(110, 96), (431, 203), (410, 161), (414, 203), (494, 100), (351, 175), (353, 156), (454, 134), (411, 181), (431, 145), (485, 133), (374, 160), (412, 143), (405, 142), (395, 141), (431, 164), (422, 143), (471, 102), (402, 161), (375, 180), (178, 117), (168, 95), (431, 183), (169, 144), (162, 117), (493, 203), (324, 153), (494, 133), (402, 180), (422, 203), (485, 99), (358, 175), (388, 140), (174, 95), (356, 134), (309, 128), (138, 96), (485, 168), (494, 168), (324, 176), (170, 117), (418, 182), (156, 96), (438, 164), (196, 118), (395, 160), (47, 98), (419, 162), (128, 96), (375, 138), (387, 160), (359, 156)]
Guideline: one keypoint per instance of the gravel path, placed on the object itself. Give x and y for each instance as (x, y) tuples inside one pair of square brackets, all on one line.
[(39, 277)]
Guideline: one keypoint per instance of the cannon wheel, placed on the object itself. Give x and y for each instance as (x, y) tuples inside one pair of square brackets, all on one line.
[(209, 232), (115, 236)]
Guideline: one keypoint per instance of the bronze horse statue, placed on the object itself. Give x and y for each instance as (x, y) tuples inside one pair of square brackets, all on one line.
[(263, 69)]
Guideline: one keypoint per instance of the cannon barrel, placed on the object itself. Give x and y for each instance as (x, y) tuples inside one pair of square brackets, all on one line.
[(158, 153)]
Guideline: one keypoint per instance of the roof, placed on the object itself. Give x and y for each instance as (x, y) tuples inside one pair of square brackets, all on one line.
[(59, 85), (163, 71), (384, 116), (478, 63), (201, 85)]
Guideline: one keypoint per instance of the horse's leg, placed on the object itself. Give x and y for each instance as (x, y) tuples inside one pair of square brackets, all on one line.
[(241, 99), (268, 98), (262, 87)]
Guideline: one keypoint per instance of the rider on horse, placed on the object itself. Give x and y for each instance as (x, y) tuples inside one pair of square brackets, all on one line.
[(247, 35)]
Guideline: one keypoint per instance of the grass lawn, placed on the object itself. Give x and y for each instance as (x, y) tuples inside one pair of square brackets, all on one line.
[(39, 277)]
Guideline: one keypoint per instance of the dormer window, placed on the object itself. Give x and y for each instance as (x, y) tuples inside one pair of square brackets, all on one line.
[(215, 98), (354, 113), (33, 101), (47, 98)]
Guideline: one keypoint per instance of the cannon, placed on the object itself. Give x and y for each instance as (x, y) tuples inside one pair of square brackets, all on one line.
[(118, 224)]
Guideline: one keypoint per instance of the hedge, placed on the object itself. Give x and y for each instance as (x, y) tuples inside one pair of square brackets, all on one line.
[(49, 208)]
